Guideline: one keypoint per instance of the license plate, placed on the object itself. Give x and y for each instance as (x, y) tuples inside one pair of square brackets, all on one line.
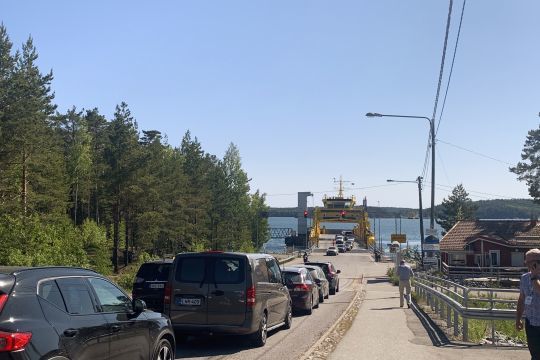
[(190, 302), (157, 286)]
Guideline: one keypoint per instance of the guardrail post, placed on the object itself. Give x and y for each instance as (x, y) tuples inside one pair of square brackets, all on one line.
[(456, 323), (465, 329), (448, 315)]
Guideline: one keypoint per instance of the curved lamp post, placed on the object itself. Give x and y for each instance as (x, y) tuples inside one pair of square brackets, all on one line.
[(432, 132)]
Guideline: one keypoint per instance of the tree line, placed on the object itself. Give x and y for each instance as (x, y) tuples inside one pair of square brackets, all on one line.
[(77, 188)]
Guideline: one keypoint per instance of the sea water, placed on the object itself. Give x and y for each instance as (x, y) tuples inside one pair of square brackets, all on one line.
[(382, 228)]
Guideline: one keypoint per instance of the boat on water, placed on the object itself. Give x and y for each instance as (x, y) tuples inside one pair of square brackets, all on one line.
[(336, 209)]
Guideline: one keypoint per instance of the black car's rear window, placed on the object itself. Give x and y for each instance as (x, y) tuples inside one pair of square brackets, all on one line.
[(323, 266), (190, 269), (293, 277), (154, 271)]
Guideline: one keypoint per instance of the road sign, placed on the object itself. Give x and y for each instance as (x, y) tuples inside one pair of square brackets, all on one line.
[(432, 247), (431, 240), (430, 260), (401, 238)]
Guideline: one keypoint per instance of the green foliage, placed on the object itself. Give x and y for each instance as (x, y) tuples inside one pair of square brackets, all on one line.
[(28, 241), (97, 246), (392, 276)]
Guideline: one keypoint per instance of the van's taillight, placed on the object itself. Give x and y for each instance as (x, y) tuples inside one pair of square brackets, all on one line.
[(14, 341), (168, 294), (301, 287), (250, 298), (3, 299)]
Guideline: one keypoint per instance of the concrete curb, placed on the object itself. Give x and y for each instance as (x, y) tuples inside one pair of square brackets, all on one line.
[(286, 260), (314, 347)]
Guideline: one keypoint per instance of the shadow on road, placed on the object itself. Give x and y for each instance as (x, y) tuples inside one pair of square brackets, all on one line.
[(377, 280), (436, 335)]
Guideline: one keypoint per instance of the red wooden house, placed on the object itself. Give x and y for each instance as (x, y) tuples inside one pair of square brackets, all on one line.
[(489, 243)]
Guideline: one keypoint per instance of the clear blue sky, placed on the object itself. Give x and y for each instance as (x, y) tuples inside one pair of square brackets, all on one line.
[(289, 83)]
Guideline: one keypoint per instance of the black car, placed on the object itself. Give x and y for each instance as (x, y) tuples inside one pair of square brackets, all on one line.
[(65, 313), (150, 281), (332, 275)]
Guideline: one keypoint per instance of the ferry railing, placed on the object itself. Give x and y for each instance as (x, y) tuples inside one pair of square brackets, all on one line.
[(452, 300)]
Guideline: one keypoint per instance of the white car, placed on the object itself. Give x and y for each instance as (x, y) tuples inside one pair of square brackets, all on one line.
[(332, 251)]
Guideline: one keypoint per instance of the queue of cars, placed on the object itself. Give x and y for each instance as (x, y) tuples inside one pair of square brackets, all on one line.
[(58, 313), (233, 293)]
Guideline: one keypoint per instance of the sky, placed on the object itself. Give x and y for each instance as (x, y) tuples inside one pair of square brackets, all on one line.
[(289, 83)]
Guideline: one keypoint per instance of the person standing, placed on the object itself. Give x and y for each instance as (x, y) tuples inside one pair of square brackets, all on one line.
[(528, 306), (405, 274)]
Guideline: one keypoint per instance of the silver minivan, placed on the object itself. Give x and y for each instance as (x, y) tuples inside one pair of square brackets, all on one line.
[(227, 293)]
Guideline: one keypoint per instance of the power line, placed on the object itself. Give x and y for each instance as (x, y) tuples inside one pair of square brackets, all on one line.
[(441, 71), (334, 190), (451, 67), (474, 152)]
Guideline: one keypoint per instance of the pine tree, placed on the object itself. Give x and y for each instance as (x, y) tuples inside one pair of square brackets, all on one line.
[(457, 207), (122, 158), (32, 154), (528, 170)]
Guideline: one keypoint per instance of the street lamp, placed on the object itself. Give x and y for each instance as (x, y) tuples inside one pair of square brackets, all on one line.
[(419, 182), (432, 132)]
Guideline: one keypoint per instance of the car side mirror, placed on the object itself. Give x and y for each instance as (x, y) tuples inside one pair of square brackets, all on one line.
[(338, 272), (139, 306)]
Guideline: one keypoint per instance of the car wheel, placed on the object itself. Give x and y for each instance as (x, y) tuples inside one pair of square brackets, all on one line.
[(327, 294), (259, 338), (310, 310), (332, 291), (288, 318), (318, 303), (164, 351), (321, 296)]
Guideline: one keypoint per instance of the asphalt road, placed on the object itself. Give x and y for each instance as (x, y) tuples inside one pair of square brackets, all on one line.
[(305, 331)]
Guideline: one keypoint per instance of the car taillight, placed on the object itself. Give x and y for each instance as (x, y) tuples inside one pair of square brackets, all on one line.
[(168, 294), (14, 341), (250, 296), (301, 287), (3, 299)]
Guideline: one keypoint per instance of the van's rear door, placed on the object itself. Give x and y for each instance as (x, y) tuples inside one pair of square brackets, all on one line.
[(227, 290), (189, 301)]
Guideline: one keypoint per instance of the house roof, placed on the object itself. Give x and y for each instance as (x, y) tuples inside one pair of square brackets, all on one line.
[(516, 233)]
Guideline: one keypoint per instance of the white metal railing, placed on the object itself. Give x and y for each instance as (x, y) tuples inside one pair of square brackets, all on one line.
[(450, 299)]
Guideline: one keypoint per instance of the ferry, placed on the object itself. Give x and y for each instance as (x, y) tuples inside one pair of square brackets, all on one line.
[(337, 209)]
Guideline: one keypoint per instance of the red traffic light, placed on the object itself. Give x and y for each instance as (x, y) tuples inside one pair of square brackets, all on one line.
[(305, 213), (343, 213)]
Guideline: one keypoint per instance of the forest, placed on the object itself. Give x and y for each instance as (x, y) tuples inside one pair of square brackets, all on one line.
[(79, 189)]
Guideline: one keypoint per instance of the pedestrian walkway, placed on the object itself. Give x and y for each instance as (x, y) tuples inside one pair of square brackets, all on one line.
[(384, 330)]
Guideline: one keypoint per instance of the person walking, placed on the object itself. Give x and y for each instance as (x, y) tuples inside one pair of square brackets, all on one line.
[(529, 303), (405, 274), (305, 257)]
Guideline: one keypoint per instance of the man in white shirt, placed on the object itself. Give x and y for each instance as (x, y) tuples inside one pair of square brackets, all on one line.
[(405, 274)]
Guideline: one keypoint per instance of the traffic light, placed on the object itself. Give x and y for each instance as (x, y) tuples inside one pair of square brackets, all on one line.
[(305, 213), (343, 213)]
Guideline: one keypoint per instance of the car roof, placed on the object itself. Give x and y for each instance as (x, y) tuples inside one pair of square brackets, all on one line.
[(224, 253), (33, 274), (161, 261), (294, 269)]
